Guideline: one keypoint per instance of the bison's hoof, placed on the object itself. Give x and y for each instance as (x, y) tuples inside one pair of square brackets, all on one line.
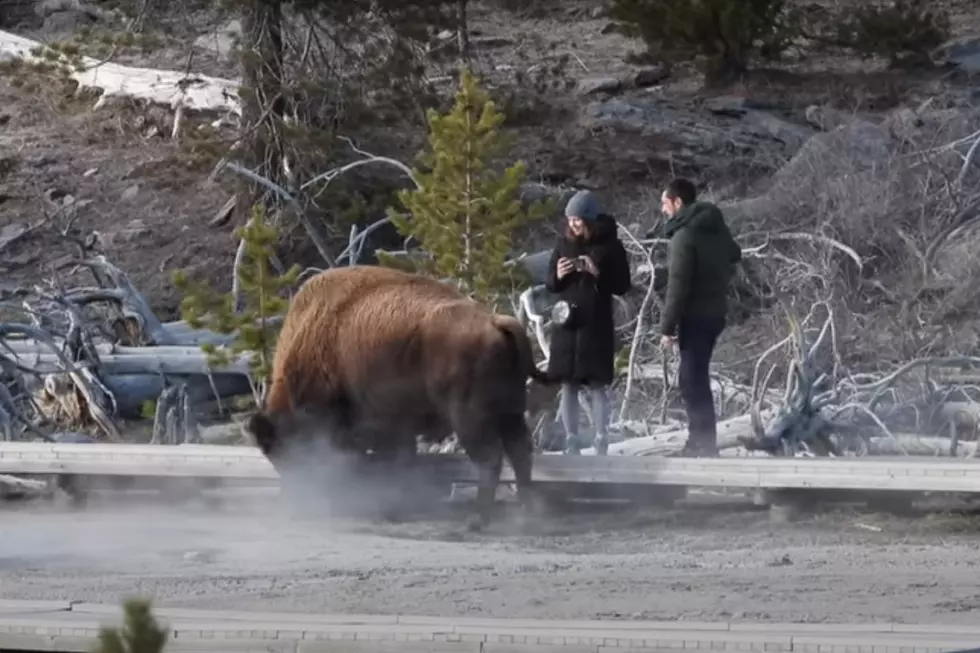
[(475, 523)]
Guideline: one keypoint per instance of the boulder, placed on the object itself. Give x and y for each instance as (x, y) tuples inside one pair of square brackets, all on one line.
[(651, 76), (962, 52), (694, 137), (222, 40), (599, 84)]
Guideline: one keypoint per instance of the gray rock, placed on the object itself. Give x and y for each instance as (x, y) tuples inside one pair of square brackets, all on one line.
[(727, 105), (792, 135), (39, 160), (847, 150), (17, 14), (692, 137), (135, 231), (963, 52), (56, 195), (825, 118), (964, 46), (534, 192), (618, 114), (593, 85), (66, 21), (130, 193), (969, 65), (44, 8), (8, 164), (651, 76), (488, 42), (221, 40), (609, 28)]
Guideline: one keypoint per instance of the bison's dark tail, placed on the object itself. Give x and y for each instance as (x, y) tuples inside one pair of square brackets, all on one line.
[(263, 431), (517, 335)]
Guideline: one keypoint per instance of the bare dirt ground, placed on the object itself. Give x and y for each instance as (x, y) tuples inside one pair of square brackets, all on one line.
[(711, 560)]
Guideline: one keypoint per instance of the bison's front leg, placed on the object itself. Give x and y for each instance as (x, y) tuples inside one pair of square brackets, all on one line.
[(488, 457)]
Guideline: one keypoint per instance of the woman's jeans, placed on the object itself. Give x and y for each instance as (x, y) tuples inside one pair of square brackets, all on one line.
[(599, 408)]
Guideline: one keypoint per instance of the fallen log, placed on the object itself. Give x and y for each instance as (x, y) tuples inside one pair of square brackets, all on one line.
[(14, 487), (146, 362), (132, 391), (901, 444), (731, 434), (897, 444), (177, 89)]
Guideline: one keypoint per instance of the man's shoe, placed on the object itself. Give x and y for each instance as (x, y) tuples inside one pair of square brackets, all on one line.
[(697, 451), (601, 446), (572, 447)]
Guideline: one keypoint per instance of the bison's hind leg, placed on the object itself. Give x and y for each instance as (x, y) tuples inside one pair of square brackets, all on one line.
[(519, 448)]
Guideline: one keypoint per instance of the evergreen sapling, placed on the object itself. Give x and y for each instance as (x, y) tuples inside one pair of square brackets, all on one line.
[(140, 632), (464, 213), (203, 307)]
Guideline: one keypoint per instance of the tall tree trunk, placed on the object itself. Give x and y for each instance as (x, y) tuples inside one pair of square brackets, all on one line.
[(462, 33), (263, 103)]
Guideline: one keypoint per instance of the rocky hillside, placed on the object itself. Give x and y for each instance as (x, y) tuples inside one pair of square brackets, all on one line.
[(818, 147)]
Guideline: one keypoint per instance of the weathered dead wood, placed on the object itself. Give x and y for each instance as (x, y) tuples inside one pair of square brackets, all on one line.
[(68, 379), (731, 433), (14, 487), (139, 321), (132, 391), (150, 362), (174, 421), (177, 89), (89, 388)]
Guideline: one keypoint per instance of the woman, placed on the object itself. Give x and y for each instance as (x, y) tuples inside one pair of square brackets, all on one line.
[(588, 266)]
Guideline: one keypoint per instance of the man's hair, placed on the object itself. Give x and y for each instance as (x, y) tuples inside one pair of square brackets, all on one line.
[(683, 189)]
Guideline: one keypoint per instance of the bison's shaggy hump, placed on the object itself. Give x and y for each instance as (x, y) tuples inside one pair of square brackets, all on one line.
[(382, 355)]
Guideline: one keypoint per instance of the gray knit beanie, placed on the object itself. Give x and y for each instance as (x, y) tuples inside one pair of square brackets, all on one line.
[(583, 204)]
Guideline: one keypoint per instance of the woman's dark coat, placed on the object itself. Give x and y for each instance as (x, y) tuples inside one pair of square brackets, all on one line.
[(586, 353)]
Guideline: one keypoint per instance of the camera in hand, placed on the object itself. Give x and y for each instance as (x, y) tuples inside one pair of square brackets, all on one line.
[(578, 264)]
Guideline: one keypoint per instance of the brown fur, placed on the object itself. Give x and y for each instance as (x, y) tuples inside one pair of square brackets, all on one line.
[(381, 356)]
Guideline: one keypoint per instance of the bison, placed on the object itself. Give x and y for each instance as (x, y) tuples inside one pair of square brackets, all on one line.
[(372, 357)]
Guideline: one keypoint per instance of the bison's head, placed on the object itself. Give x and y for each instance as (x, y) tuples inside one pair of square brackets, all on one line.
[(262, 429), (282, 435)]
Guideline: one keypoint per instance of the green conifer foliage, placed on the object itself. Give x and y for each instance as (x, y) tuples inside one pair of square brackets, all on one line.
[(202, 307), (465, 212), (723, 35), (140, 632)]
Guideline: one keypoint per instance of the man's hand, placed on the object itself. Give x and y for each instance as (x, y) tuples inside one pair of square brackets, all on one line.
[(565, 265), (667, 342), (590, 266)]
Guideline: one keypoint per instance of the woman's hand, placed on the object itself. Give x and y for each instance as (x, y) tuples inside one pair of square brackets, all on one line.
[(565, 265), (590, 266)]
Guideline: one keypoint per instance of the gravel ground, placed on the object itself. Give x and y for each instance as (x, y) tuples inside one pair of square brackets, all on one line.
[(709, 560)]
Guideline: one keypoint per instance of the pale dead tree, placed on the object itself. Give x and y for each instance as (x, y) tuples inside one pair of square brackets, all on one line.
[(88, 358)]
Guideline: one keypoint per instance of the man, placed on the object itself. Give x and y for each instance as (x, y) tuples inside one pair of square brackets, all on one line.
[(702, 257)]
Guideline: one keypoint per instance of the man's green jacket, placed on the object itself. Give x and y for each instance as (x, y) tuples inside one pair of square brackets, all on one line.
[(702, 257)]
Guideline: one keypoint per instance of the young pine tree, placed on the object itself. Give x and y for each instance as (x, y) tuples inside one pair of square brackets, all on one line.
[(465, 213), (140, 632), (202, 307)]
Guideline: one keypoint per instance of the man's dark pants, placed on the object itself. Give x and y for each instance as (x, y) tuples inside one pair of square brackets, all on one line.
[(696, 339)]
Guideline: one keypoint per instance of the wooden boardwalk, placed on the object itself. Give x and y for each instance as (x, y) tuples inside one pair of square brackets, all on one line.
[(72, 626), (910, 474)]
